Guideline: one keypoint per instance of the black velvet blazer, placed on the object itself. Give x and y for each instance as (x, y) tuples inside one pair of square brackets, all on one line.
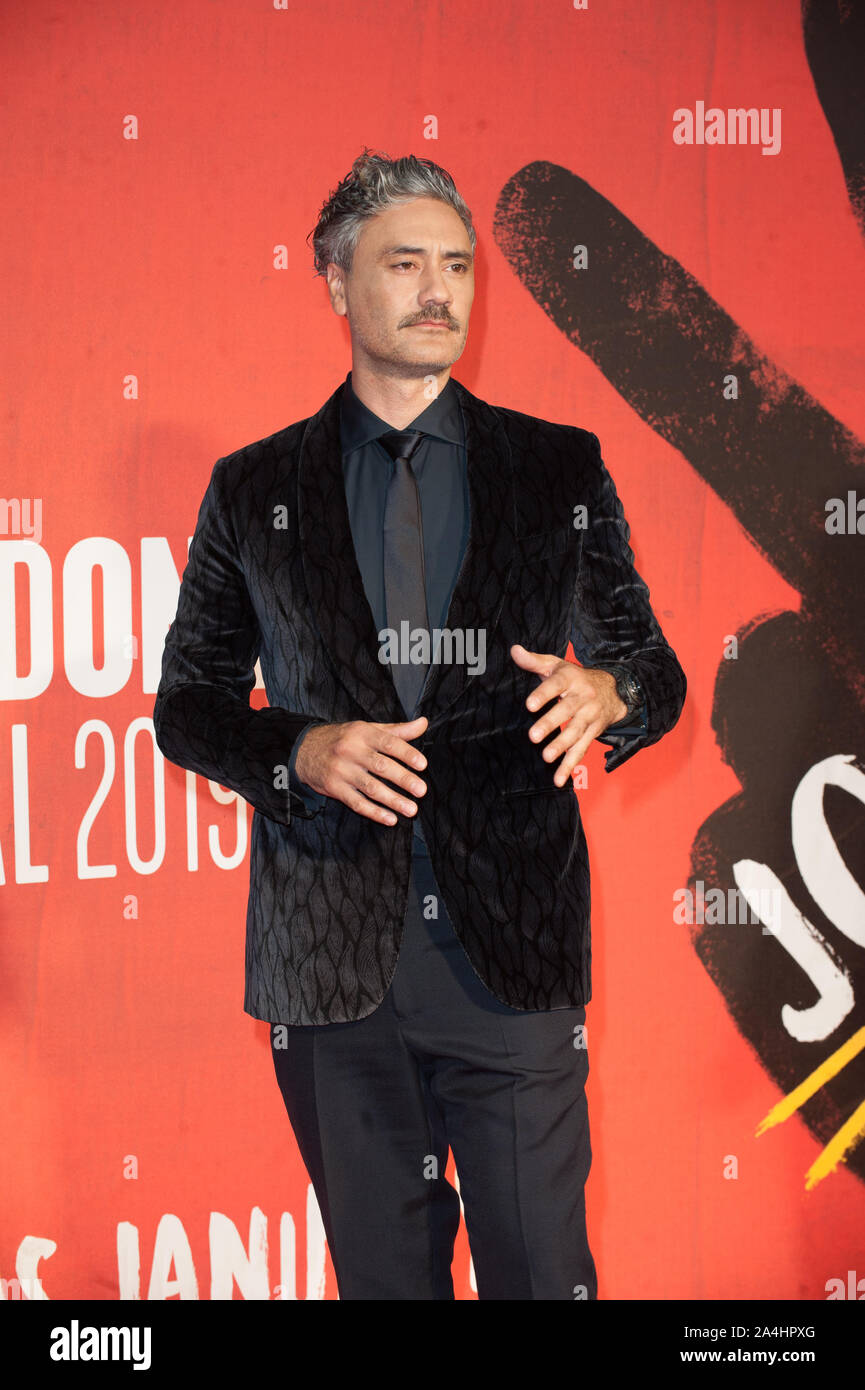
[(272, 574)]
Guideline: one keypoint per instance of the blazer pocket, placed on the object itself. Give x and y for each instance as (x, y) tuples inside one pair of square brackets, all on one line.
[(543, 545), (533, 816)]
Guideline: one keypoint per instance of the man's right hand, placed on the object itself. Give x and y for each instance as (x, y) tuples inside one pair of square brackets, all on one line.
[(346, 761)]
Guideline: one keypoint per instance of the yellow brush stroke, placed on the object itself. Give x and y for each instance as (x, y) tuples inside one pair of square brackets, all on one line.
[(850, 1132), (847, 1137)]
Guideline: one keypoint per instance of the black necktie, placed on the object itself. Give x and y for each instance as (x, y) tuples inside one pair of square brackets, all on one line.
[(404, 586)]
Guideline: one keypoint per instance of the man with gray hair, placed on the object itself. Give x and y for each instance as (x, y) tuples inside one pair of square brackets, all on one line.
[(418, 929)]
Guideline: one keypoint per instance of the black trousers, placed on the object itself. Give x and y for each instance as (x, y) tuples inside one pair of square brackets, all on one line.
[(375, 1105)]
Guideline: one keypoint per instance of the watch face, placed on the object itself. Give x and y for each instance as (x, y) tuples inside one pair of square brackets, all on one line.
[(627, 689), (629, 692)]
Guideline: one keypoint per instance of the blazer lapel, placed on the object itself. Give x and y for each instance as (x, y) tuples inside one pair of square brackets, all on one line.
[(334, 582), (333, 579)]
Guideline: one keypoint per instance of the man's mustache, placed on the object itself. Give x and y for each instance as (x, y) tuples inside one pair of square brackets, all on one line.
[(433, 318)]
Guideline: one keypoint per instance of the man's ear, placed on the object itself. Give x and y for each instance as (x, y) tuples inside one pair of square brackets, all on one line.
[(336, 289)]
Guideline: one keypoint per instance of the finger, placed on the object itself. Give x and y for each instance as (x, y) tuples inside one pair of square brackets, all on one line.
[(392, 771), (358, 803), (575, 729), (388, 741), (541, 662), (372, 790), (570, 717), (408, 728), (562, 712), (557, 682), (575, 756), (573, 746)]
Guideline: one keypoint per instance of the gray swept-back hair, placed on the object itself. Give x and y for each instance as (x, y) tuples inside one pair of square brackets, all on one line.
[(376, 182)]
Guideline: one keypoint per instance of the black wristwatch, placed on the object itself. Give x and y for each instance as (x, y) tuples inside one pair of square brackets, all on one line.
[(628, 688)]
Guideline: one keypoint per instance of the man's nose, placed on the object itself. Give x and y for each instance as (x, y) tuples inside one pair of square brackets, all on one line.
[(434, 288)]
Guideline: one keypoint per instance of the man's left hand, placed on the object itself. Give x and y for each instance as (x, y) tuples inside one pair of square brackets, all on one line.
[(586, 698)]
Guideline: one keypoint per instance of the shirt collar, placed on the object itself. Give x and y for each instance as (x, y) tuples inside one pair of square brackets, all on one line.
[(359, 425)]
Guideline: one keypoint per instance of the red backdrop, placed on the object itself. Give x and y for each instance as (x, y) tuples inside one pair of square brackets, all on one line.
[(160, 157)]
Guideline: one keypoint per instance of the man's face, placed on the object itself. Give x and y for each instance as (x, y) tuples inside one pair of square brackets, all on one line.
[(412, 266)]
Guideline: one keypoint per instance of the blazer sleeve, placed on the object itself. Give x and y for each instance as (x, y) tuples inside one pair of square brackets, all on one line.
[(202, 717), (614, 624)]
